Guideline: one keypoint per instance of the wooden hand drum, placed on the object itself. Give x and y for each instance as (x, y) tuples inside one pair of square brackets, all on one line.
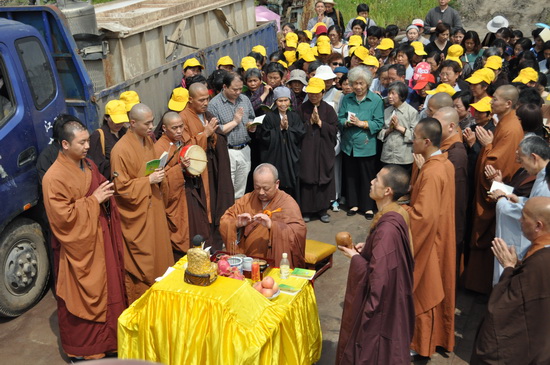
[(197, 156)]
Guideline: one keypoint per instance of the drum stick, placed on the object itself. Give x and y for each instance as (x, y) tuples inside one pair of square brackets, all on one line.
[(197, 159)]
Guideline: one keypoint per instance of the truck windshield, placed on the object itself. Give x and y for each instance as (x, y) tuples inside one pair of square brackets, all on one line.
[(38, 71)]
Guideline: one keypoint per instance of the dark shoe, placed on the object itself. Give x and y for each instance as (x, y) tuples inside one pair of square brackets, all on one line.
[(306, 218), (325, 218), (369, 215), (352, 212)]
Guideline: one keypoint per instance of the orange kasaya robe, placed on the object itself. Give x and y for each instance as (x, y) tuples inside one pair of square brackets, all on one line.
[(193, 133), (501, 154), (175, 200), (88, 257), (287, 234), (432, 215), (148, 251)]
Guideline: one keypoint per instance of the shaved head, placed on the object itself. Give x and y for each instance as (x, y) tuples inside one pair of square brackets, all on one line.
[(196, 89), (69, 130), (509, 93), (170, 117), (139, 112), (448, 117), (535, 218), (430, 128), (438, 101), (267, 168)]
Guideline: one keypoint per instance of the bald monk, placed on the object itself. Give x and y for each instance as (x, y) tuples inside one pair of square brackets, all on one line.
[(499, 150), (515, 328), (148, 251), (88, 248), (266, 222), (438, 101), (175, 201), (201, 128), (452, 145), (432, 215)]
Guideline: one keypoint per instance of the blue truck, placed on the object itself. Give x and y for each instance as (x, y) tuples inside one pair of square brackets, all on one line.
[(42, 74)]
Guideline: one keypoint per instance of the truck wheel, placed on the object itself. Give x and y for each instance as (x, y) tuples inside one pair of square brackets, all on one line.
[(24, 267)]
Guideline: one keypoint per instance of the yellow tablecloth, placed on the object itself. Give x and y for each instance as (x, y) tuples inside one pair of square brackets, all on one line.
[(227, 322)]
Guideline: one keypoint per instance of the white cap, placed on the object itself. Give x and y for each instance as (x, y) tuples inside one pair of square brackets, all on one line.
[(284, 255)]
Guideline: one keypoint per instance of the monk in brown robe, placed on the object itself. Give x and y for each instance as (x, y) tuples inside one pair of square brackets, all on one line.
[(210, 194), (266, 222), (456, 153), (515, 329), (378, 317), (499, 151), (432, 214), (88, 248), (175, 200), (148, 251)]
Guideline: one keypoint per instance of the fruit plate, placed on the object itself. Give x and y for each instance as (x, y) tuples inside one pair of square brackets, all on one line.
[(275, 295)]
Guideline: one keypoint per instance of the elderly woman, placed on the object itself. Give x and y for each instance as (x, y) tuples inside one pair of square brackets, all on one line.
[(399, 121), (317, 161), (361, 117), (279, 137)]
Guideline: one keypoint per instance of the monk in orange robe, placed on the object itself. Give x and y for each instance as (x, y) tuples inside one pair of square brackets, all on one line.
[(88, 248), (432, 215), (266, 222), (148, 250), (175, 200), (499, 151)]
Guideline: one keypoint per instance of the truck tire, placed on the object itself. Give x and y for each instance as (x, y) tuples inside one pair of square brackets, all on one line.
[(24, 267)]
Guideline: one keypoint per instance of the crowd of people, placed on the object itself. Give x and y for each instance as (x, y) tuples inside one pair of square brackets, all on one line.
[(421, 133)]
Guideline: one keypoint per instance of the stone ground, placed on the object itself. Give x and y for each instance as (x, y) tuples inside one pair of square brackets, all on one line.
[(33, 338)]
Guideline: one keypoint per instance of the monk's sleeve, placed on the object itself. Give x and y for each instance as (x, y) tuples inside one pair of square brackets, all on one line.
[(74, 222), (200, 139), (288, 234), (134, 191), (228, 221), (500, 155)]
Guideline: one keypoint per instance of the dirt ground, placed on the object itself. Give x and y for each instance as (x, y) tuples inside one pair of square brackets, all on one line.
[(33, 338)]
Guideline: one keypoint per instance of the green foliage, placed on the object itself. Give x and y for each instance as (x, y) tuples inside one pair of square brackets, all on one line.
[(384, 12)]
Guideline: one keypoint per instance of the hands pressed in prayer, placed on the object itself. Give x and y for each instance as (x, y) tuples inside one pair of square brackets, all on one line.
[(505, 255), (493, 174), (418, 160), (484, 136)]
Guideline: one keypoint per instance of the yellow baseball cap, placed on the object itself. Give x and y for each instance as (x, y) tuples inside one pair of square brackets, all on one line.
[(323, 39), (315, 85), (260, 49), (418, 48), (385, 43), (179, 99), (361, 18), (355, 40), (309, 55), (324, 48), (371, 61), (442, 88), (455, 50), (527, 75), (290, 56), (484, 105), (283, 63), (192, 62), (361, 53), (130, 98), (291, 40), (482, 75), (456, 59), (225, 61), (494, 62), (116, 109), (248, 62), (308, 34), (302, 49)]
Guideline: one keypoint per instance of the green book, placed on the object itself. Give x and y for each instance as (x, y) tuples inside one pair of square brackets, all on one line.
[(288, 289), (303, 273), (151, 166)]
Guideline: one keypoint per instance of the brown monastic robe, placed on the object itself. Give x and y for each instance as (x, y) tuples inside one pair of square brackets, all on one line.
[(456, 153), (378, 317), (175, 200), (501, 154), (88, 258), (287, 233), (432, 211), (148, 251), (515, 329)]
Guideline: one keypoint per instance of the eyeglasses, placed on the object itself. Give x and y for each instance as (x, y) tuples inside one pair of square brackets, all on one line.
[(338, 64)]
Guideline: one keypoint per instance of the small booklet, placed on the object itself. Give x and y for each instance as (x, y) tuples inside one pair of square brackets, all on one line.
[(159, 163), (500, 186), (163, 159), (266, 108), (257, 121), (303, 273), (287, 289)]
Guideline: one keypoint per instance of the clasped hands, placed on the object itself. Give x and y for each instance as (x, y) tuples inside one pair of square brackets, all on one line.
[(245, 219)]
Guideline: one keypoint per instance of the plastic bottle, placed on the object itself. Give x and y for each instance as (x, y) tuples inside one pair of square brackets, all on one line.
[(284, 267)]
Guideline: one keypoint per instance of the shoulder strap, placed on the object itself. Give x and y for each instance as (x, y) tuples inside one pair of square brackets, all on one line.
[(102, 140)]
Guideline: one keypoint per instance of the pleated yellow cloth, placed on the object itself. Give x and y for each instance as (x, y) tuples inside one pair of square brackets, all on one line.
[(227, 322)]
